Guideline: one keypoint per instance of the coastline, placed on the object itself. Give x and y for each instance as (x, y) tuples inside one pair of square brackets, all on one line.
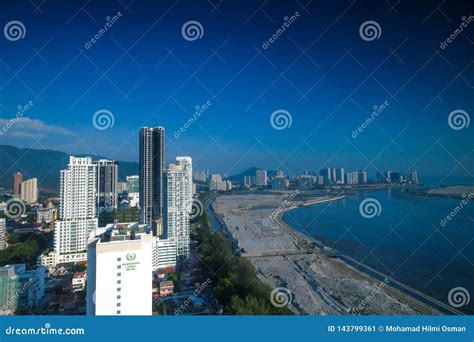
[(321, 281)]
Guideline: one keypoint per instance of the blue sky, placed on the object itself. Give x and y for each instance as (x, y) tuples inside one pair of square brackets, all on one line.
[(320, 70)]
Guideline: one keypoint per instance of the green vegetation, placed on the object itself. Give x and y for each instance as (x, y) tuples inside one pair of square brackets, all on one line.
[(120, 214), (80, 268), (26, 249), (236, 285), (20, 253)]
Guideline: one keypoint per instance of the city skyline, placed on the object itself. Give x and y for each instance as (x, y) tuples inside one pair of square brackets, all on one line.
[(329, 94)]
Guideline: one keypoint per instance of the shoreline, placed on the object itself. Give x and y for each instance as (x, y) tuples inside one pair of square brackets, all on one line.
[(322, 282)]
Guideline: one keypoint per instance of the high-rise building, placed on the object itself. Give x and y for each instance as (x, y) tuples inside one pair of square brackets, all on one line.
[(77, 210), (133, 183), (339, 176), (247, 181), (413, 177), (3, 234), (261, 177), (20, 290), (349, 178), (164, 253), (119, 274), (17, 180), (361, 177), (29, 190), (107, 176), (152, 159), (178, 203), (327, 175)]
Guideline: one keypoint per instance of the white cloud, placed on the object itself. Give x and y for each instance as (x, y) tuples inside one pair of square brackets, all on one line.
[(25, 127)]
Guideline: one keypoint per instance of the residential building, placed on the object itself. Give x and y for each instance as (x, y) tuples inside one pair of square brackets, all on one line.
[(3, 234), (77, 210), (413, 177), (361, 177), (166, 288), (133, 185), (107, 177), (79, 281), (327, 176), (119, 274), (164, 253), (339, 176), (261, 177), (247, 181), (46, 215), (178, 203), (29, 190), (17, 180), (152, 159), (20, 290)]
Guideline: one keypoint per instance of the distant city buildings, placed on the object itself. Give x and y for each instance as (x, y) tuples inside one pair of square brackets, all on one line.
[(279, 182), (164, 253), (133, 185), (77, 210), (261, 178), (107, 177), (17, 180), (29, 191), (152, 159), (119, 278), (201, 176), (20, 290), (413, 177)]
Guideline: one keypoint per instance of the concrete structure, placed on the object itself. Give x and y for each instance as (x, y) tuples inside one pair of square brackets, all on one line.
[(77, 210), (178, 203), (79, 281), (3, 234), (164, 253), (107, 177), (29, 191), (414, 177), (152, 159), (46, 215), (20, 290), (261, 178), (339, 176), (119, 274), (327, 176), (17, 180), (166, 288)]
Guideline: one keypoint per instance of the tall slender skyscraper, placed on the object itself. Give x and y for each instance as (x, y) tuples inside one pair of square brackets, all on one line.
[(152, 158), (178, 203), (17, 179), (77, 210), (107, 175)]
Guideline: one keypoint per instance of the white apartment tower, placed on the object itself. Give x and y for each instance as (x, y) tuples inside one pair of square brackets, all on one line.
[(77, 210), (29, 190), (261, 178), (3, 231), (178, 203), (119, 275)]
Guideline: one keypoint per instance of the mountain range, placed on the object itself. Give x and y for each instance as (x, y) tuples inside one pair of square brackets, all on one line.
[(44, 165)]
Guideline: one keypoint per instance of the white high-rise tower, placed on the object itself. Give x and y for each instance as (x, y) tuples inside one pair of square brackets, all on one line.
[(77, 211), (178, 203)]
